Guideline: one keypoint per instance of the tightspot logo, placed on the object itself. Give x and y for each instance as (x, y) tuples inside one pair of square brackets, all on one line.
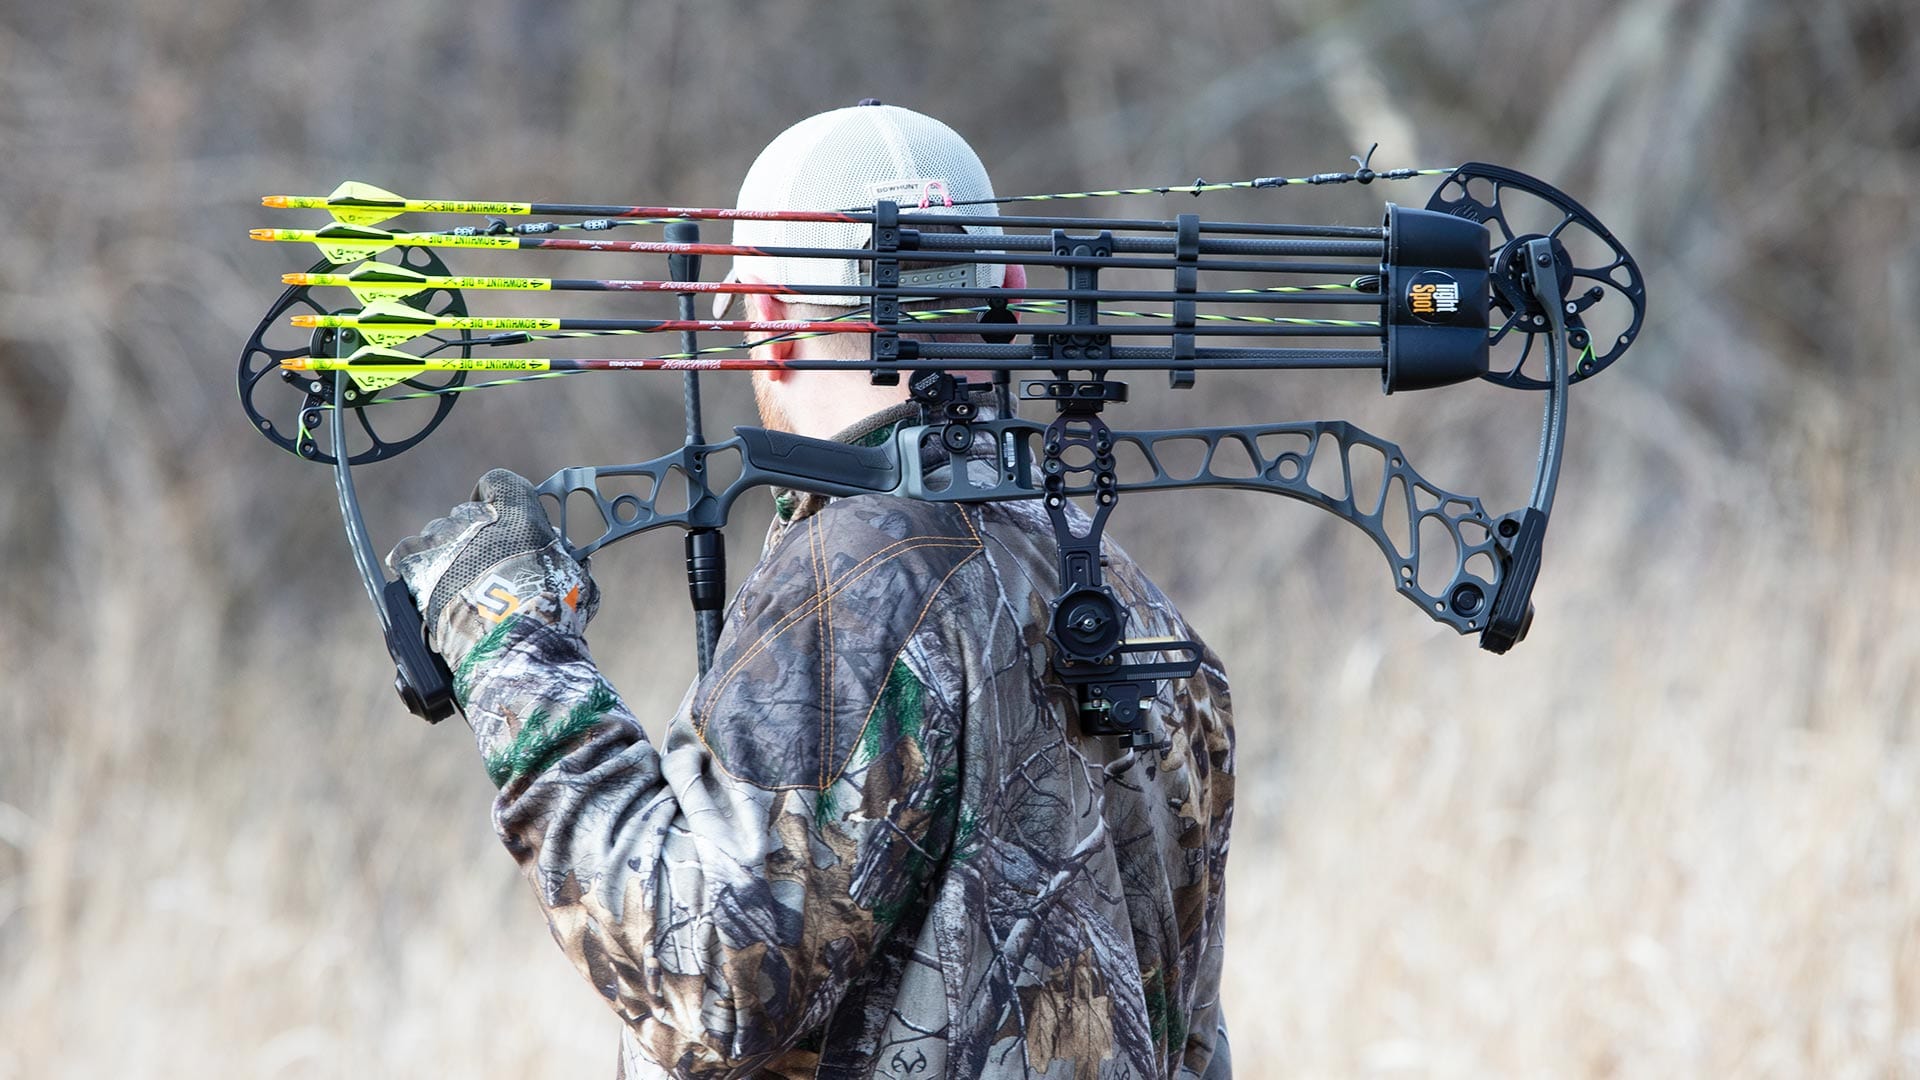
[(1432, 296)]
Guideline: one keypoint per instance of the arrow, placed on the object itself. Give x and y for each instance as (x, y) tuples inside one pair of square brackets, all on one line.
[(341, 243), (373, 281), (374, 367), (358, 203), (389, 322), (344, 243), (405, 366)]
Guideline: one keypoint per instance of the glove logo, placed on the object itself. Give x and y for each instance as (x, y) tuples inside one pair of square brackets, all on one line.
[(496, 599)]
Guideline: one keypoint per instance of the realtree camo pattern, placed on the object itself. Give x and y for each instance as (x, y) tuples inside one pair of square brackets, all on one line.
[(873, 842)]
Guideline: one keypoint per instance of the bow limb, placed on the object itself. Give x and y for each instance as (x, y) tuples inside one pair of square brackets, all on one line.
[(1523, 535)]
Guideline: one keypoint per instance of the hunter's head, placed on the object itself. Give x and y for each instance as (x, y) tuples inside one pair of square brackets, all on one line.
[(847, 159)]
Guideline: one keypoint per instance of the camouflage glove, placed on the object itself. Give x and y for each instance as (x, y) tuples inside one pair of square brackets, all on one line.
[(488, 560)]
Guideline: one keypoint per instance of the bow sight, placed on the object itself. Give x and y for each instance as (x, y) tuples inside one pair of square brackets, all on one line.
[(1495, 262)]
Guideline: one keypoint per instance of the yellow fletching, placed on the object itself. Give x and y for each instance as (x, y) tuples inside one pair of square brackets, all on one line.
[(341, 254), (394, 309), (386, 272), (386, 322), (372, 282), (369, 292), (376, 368), (370, 381), (361, 191), (391, 335), (361, 215), (357, 195)]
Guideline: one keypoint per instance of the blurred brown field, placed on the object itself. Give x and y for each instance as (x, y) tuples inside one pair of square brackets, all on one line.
[(1667, 836)]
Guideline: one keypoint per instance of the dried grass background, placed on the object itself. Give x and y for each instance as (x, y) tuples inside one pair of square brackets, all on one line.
[(1671, 835)]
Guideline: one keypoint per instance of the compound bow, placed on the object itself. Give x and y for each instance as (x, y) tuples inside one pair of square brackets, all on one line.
[(1447, 286)]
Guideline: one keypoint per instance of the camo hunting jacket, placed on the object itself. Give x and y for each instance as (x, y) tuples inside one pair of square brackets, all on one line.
[(873, 842)]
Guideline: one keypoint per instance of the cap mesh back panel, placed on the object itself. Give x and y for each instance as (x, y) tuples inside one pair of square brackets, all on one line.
[(834, 161)]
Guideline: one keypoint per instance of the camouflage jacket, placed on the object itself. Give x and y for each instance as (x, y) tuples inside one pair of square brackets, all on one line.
[(872, 841)]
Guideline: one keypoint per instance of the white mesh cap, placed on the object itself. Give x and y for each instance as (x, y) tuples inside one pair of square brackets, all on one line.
[(848, 159)]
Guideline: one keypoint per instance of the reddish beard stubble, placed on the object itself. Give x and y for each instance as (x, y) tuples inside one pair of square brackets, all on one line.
[(772, 416)]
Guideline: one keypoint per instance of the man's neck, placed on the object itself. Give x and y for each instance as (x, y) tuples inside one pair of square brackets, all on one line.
[(824, 403)]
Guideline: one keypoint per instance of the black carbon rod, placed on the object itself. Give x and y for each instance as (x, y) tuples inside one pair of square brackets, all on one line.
[(1309, 294), (1133, 329), (1335, 248), (1280, 248), (706, 552)]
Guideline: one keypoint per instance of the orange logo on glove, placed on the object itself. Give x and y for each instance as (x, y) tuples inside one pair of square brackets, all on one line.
[(497, 600)]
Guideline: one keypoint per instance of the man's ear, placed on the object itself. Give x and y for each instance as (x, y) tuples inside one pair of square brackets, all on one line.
[(764, 308)]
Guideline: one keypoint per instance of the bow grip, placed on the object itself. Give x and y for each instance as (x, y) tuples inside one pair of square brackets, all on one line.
[(420, 677), (820, 465)]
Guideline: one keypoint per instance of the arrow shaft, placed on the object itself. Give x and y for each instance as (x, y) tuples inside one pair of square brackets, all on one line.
[(980, 357), (1324, 293), (373, 241), (1041, 253), (489, 323)]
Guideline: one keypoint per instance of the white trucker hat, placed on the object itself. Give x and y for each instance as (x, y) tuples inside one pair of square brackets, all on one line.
[(848, 159)]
